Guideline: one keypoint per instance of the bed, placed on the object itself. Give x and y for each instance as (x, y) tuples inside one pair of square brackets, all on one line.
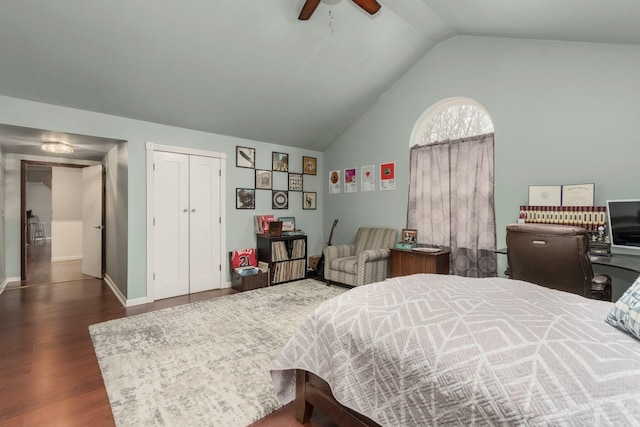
[(446, 350)]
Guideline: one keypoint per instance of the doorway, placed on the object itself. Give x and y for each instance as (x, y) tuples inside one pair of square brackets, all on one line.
[(43, 259)]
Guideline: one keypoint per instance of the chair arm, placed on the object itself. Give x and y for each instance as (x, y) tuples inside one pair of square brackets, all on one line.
[(374, 255), (338, 251), (601, 287)]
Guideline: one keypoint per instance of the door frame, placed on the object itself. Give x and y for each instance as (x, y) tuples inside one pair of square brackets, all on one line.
[(23, 209), (151, 148)]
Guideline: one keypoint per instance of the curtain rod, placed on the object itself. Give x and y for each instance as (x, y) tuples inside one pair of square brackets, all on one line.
[(454, 141)]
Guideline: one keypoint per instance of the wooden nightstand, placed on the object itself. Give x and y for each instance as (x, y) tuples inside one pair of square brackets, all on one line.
[(404, 262)]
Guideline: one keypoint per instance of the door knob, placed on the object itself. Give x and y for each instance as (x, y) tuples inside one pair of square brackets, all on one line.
[(193, 210), (185, 210)]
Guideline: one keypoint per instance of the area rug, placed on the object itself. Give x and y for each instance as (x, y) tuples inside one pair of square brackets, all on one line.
[(204, 363)]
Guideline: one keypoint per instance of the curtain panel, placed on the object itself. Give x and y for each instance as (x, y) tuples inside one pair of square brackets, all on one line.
[(451, 202)]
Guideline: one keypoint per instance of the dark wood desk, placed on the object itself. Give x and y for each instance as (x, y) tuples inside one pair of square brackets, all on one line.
[(624, 261), (404, 262)]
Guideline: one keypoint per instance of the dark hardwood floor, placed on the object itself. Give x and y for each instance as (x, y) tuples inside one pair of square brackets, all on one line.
[(49, 375)]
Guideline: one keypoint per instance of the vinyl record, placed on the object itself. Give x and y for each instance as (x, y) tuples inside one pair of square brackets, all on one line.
[(280, 200)]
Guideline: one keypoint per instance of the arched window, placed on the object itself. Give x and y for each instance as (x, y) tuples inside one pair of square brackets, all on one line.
[(451, 201), (452, 118)]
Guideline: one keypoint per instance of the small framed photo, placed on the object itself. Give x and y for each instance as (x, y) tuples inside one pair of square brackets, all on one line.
[(288, 223), (409, 235), (309, 165), (309, 200), (295, 181), (545, 195), (280, 199), (245, 157), (245, 198), (578, 194), (280, 161), (263, 179)]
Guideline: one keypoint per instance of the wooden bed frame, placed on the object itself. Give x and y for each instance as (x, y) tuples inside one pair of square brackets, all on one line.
[(313, 392)]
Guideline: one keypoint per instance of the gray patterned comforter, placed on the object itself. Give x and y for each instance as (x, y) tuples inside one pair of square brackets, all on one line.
[(428, 350)]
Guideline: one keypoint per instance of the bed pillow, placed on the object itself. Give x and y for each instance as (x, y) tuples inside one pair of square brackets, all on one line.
[(625, 314)]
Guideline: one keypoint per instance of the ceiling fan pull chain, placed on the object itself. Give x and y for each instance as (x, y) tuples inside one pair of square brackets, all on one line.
[(331, 19)]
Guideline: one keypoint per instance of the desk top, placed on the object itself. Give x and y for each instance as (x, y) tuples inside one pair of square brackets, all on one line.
[(628, 262)]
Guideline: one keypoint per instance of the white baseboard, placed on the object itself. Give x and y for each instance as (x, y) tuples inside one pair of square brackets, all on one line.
[(137, 301), (125, 302), (67, 258), (115, 290)]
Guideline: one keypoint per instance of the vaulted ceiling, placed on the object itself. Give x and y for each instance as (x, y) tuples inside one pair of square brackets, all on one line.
[(249, 68)]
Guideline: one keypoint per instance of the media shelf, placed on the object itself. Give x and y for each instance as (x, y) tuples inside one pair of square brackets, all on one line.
[(285, 255)]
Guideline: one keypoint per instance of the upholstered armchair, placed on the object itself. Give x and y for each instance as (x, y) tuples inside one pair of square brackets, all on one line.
[(555, 256), (362, 262)]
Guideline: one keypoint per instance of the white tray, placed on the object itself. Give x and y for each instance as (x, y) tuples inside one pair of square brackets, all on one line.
[(427, 249)]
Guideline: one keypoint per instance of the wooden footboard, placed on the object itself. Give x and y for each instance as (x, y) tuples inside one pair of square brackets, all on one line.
[(313, 392)]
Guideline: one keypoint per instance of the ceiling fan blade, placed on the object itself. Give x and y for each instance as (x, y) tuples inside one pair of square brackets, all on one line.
[(371, 6), (307, 9)]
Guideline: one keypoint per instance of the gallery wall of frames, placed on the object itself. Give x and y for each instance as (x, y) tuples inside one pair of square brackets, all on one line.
[(246, 197)]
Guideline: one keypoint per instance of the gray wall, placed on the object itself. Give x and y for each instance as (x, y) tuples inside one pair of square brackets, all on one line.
[(116, 208), (66, 194), (39, 201), (240, 232), (563, 113), (3, 269)]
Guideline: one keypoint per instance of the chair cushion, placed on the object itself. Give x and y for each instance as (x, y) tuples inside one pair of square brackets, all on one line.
[(625, 314), (347, 264)]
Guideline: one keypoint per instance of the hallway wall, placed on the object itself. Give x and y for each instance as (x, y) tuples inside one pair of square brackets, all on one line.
[(39, 202)]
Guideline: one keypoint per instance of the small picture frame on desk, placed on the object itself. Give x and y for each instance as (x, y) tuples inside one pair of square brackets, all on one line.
[(288, 223), (545, 195), (578, 194), (409, 235)]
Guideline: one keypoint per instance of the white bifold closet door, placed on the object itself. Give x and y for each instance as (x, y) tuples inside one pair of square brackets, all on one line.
[(187, 229)]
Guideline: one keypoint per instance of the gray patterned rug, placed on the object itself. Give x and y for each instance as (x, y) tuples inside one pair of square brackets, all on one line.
[(205, 363)]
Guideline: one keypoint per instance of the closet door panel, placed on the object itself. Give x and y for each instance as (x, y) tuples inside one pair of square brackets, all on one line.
[(205, 253), (171, 224)]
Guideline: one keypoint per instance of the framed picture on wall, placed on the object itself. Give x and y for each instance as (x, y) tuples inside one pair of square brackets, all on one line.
[(245, 157), (309, 165), (263, 179), (280, 162), (280, 199), (295, 181), (245, 198), (309, 200)]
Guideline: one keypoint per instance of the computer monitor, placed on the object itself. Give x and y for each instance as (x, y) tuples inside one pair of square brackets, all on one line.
[(624, 223)]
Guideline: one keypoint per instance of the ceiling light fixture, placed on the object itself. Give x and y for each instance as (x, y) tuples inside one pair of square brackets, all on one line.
[(57, 147)]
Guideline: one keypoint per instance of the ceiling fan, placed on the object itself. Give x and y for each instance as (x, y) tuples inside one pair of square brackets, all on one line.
[(370, 6)]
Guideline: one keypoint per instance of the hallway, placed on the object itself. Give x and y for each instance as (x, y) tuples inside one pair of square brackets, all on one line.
[(40, 269)]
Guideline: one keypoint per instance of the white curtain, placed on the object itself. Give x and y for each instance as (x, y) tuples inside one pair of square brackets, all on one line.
[(451, 202)]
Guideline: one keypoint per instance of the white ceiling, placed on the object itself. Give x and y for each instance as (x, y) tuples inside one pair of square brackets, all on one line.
[(249, 68)]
